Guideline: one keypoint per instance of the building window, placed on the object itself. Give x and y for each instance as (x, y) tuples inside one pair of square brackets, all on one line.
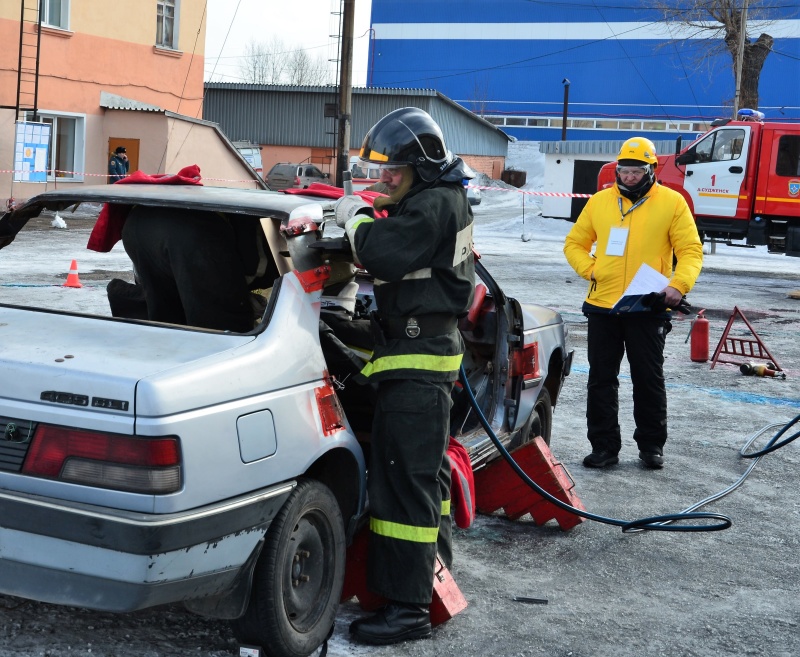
[(513, 120), (166, 23), (55, 13), (66, 147), (582, 123)]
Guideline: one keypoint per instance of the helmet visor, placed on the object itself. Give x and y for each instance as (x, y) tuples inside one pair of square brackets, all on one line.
[(382, 166)]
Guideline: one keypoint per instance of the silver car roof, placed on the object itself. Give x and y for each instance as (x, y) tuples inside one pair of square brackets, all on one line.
[(254, 202)]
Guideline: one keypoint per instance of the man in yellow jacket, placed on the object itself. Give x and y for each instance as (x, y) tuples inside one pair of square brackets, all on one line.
[(635, 221)]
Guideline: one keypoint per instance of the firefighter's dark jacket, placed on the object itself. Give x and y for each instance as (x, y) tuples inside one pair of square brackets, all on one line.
[(421, 258)]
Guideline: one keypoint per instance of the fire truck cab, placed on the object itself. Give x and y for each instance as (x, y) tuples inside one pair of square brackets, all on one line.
[(741, 180)]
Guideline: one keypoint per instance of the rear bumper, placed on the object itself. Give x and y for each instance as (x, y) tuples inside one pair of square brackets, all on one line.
[(98, 558)]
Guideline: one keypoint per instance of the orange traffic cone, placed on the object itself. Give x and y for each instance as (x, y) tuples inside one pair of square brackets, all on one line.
[(72, 278)]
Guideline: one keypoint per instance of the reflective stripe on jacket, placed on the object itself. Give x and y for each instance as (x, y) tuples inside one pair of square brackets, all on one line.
[(421, 257), (659, 226)]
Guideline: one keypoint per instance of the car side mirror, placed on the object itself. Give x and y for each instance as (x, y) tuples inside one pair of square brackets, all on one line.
[(685, 158)]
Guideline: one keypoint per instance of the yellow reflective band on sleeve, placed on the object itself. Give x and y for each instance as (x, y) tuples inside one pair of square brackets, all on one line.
[(403, 532), (356, 221), (445, 507), (351, 227), (428, 362)]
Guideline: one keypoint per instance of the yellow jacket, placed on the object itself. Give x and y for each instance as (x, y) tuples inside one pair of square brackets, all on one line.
[(659, 226)]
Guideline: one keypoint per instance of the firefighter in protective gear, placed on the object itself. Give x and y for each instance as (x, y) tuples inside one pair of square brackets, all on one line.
[(634, 222), (422, 260)]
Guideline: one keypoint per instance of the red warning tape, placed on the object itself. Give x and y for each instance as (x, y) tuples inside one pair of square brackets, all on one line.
[(530, 193), (98, 175), (493, 189)]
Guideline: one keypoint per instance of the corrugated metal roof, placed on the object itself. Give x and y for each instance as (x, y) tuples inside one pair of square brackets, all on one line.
[(286, 115), (112, 101)]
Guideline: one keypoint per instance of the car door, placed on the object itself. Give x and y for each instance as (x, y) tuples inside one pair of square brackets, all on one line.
[(492, 330), (715, 171)]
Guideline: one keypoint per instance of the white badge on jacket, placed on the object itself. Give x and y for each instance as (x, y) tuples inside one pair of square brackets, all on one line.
[(616, 242)]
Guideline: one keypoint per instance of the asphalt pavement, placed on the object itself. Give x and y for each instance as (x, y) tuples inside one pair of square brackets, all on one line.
[(608, 593)]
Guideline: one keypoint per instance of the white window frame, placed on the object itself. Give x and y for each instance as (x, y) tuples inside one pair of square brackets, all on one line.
[(176, 6), (78, 160), (61, 22)]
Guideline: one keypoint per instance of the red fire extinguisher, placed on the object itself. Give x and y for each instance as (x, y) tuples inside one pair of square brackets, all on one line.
[(699, 334)]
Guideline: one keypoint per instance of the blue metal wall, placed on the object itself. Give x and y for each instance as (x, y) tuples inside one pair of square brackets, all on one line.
[(509, 57)]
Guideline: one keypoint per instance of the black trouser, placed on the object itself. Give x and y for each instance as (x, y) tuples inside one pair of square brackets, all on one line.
[(642, 335), (189, 268), (409, 484)]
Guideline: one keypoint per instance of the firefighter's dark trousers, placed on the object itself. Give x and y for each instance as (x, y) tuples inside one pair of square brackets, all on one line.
[(409, 489), (189, 268), (642, 336)]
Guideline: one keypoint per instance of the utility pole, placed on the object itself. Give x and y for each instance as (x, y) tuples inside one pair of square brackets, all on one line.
[(345, 91), (566, 83), (740, 60)]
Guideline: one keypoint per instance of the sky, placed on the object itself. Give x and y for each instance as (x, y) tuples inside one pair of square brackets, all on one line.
[(232, 24)]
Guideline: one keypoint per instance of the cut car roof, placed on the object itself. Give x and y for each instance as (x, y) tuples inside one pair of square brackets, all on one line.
[(254, 202)]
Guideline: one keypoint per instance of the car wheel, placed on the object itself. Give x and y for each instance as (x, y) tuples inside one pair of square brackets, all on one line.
[(299, 576), (541, 420)]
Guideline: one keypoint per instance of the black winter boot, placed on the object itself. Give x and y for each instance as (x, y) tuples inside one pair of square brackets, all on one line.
[(397, 621)]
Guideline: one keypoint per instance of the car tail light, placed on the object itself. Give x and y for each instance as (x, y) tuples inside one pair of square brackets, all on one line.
[(525, 362), (330, 410), (297, 181), (137, 465)]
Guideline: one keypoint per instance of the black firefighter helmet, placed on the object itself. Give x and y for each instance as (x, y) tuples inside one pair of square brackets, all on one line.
[(407, 136)]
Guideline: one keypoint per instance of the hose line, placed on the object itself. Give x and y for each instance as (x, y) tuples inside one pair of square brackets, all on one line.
[(654, 523)]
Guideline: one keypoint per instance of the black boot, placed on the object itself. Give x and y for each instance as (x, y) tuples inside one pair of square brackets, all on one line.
[(397, 621)]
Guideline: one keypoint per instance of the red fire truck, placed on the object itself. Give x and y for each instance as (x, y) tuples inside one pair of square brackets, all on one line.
[(741, 179)]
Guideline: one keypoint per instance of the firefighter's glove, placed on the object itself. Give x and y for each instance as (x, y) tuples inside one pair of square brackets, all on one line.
[(348, 207)]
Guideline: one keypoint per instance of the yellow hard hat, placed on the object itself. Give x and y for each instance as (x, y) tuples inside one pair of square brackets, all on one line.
[(640, 149)]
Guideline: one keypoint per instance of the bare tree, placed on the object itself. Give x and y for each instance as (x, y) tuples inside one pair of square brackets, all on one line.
[(274, 63), (301, 69), (479, 96), (716, 26), (264, 63)]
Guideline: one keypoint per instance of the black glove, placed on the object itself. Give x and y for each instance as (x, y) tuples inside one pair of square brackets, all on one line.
[(655, 301)]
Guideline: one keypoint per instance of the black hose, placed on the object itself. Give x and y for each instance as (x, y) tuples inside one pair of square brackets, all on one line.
[(654, 523), (772, 445)]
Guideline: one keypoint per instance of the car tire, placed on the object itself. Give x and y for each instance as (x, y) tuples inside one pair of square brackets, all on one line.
[(299, 576), (540, 423)]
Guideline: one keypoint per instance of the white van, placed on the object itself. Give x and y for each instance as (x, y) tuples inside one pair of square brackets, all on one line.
[(363, 178), (252, 153)]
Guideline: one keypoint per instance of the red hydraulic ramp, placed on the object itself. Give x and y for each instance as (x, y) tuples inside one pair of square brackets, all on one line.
[(497, 486), (447, 597)]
